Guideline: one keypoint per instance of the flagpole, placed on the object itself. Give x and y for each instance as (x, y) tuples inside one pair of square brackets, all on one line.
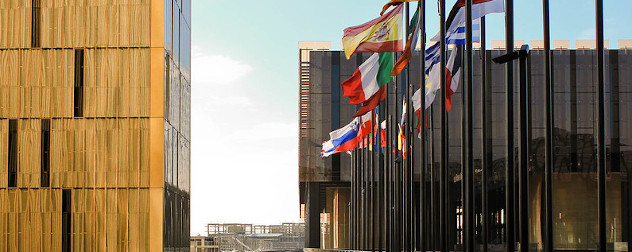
[(367, 217), (354, 159), (387, 172), (355, 198), (485, 142), (467, 108), (433, 183), (365, 197), (509, 169), (373, 181), (380, 179), (368, 196), (422, 175), (523, 169), (407, 220), (361, 196), (601, 147), (351, 206), (443, 199), (396, 173), (548, 147)]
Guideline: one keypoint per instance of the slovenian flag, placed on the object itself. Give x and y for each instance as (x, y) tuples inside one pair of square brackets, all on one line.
[(342, 140), (382, 34)]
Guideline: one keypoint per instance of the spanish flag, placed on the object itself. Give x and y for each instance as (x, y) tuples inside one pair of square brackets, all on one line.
[(378, 35)]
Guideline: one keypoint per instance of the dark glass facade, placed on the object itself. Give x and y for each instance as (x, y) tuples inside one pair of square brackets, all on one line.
[(177, 125), (575, 209)]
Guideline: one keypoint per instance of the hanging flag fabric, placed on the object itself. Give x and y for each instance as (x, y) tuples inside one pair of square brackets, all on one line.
[(454, 35), (453, 76), (401, 141), (410, 46), (457, 36), (376, 120), (368, 78), (342, 140), (366, 125), (480, 8), (372, 102), (402, 120), (382, 34), (383, 134), (416, 99), (453, 73), (393, 3)]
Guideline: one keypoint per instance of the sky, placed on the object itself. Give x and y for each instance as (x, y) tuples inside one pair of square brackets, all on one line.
[(244, 157)]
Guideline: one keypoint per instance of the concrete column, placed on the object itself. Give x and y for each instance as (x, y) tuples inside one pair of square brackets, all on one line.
[(312, 215)]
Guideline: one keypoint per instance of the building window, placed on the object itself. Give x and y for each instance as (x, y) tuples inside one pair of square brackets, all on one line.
[(35, 23), (45, 153), (79, 82), (66, 224), (13, 153), (167, 86)]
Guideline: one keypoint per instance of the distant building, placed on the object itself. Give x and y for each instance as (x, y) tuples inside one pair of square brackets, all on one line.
[(203, 244), (239, 237), (323, 182), (95, 125)]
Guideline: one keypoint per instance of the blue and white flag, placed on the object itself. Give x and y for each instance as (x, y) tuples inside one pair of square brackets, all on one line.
[(455, 35)]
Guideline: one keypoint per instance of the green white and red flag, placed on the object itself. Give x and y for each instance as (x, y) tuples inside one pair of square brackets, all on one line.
[(366, 81)]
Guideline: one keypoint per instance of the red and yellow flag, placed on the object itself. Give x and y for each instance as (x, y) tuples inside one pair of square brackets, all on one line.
[(394, 2), (382, 34)]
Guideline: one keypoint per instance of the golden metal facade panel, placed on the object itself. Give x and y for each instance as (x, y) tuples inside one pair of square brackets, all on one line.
[(112, 219), (155, 223), (110, 155), (28, 153), (78, 23), (39, 83), (156, 151)]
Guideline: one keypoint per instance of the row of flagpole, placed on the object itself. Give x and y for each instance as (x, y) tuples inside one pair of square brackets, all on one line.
[(384, 214)]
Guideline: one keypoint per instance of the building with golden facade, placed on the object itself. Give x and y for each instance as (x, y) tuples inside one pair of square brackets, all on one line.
[(95, 125)]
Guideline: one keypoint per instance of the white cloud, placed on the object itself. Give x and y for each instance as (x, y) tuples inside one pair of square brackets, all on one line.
[(217, 69), (266, 131), (587, 34)]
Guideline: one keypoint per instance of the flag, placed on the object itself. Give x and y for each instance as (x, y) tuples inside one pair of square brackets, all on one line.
[(410, 45), (401, 141), (368, 78), (452, 72), (416, 99), (366, 125), (455, 34), (372, 102), (342, 140), (480, 8), (402, 120), (393, 3), (378, 35), (383, 134), (376, 120)]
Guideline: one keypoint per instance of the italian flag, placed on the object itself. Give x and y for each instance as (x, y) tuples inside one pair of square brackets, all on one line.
[(368, 78)]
